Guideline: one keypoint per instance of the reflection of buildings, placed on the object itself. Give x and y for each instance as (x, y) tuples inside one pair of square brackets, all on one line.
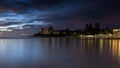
[(109, 47), (115, 49)]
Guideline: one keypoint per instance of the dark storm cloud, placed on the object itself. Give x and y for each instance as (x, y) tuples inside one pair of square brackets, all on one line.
[(10, 23), (94, 8), (68, 7), (21, 5), (62, 9)]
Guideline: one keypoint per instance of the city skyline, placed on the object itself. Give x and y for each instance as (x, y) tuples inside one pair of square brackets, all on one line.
[(26, 17)]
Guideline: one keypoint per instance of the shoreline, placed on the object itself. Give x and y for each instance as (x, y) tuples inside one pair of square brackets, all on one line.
[(74, 36)]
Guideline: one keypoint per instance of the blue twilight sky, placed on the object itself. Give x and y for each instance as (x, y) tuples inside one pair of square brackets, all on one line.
[(26, 17)]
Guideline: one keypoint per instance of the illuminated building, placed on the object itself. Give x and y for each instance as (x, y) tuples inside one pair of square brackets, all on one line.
[(47, 30), (44, 30), (116, 32), (50, 30)]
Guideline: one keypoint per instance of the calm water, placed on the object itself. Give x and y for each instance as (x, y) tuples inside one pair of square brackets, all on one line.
[(59, 53)]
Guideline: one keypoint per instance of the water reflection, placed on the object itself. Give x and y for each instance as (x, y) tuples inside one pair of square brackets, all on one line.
[(107, 46), (116, 49), (60, 53)]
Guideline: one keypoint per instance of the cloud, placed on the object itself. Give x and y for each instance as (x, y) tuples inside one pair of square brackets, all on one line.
[(51, 11), (22, 14), (15, 20)]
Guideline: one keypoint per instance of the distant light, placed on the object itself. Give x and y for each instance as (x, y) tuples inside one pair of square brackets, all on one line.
[(9, 30), (110, 34), (115, 30), (89, 35), (23, 34), (3, 29)]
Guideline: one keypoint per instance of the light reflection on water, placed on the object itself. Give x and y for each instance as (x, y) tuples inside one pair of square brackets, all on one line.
[(60, 53)]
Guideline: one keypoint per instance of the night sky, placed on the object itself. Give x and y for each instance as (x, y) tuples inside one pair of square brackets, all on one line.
[(26, 17)]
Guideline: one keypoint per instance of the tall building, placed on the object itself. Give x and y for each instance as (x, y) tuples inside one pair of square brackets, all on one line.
[(44, 30), (87, 26), (47, 30), (90, 26), (97, 26), (50, 29)]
